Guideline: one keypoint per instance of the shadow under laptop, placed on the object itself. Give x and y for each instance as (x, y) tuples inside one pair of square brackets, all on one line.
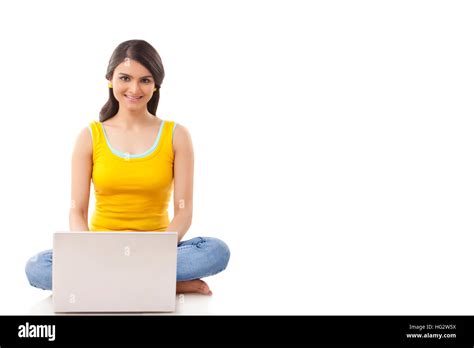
[(185, 304)]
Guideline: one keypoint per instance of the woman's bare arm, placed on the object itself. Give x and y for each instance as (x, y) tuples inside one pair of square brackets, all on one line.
[(183, 182), (81, 172)]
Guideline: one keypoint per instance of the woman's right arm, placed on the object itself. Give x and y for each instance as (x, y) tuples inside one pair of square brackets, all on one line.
[(81, 173)]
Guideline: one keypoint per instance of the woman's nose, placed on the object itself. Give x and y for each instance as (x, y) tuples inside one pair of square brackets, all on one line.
[(134, 87)]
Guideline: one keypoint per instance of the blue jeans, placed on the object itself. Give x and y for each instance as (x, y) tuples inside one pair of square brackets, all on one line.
[(197, 258)]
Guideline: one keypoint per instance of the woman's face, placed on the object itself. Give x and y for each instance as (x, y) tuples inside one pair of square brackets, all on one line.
[(132, 84)]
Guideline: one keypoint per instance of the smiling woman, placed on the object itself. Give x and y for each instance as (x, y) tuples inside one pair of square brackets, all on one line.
[(135, 74), (135, 161)]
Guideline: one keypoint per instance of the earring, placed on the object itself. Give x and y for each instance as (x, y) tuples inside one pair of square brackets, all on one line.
[(154, 89), (110, 85)]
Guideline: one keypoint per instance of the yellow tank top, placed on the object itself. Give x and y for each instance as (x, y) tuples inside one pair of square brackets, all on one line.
[(132, 191)]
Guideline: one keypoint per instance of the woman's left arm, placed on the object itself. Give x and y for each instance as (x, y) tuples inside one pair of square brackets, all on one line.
[(183, 181)]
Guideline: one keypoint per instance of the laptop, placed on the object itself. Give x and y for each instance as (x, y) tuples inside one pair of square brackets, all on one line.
[(114, 271)]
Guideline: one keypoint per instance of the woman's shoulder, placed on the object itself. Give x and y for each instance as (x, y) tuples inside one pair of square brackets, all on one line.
[(83, 143), (181, 136), (180, 131)]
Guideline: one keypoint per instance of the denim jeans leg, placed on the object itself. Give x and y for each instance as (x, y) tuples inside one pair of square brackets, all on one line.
[(201, 257), (39, 270)]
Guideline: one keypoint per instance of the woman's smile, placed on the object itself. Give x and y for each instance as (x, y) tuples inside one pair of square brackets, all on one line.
[(133, 98)]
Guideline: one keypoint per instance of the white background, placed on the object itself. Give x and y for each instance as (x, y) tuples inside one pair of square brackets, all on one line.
[(333, 142)]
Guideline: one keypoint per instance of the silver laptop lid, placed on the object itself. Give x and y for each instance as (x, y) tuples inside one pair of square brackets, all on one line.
[(114, 271)]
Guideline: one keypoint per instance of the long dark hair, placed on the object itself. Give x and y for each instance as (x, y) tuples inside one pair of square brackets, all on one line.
[(146, 55)]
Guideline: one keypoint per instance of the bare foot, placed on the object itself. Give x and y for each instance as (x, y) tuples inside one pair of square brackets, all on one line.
[(196, 285)]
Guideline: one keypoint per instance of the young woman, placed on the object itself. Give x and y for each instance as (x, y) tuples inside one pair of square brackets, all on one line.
[(135, 160)]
